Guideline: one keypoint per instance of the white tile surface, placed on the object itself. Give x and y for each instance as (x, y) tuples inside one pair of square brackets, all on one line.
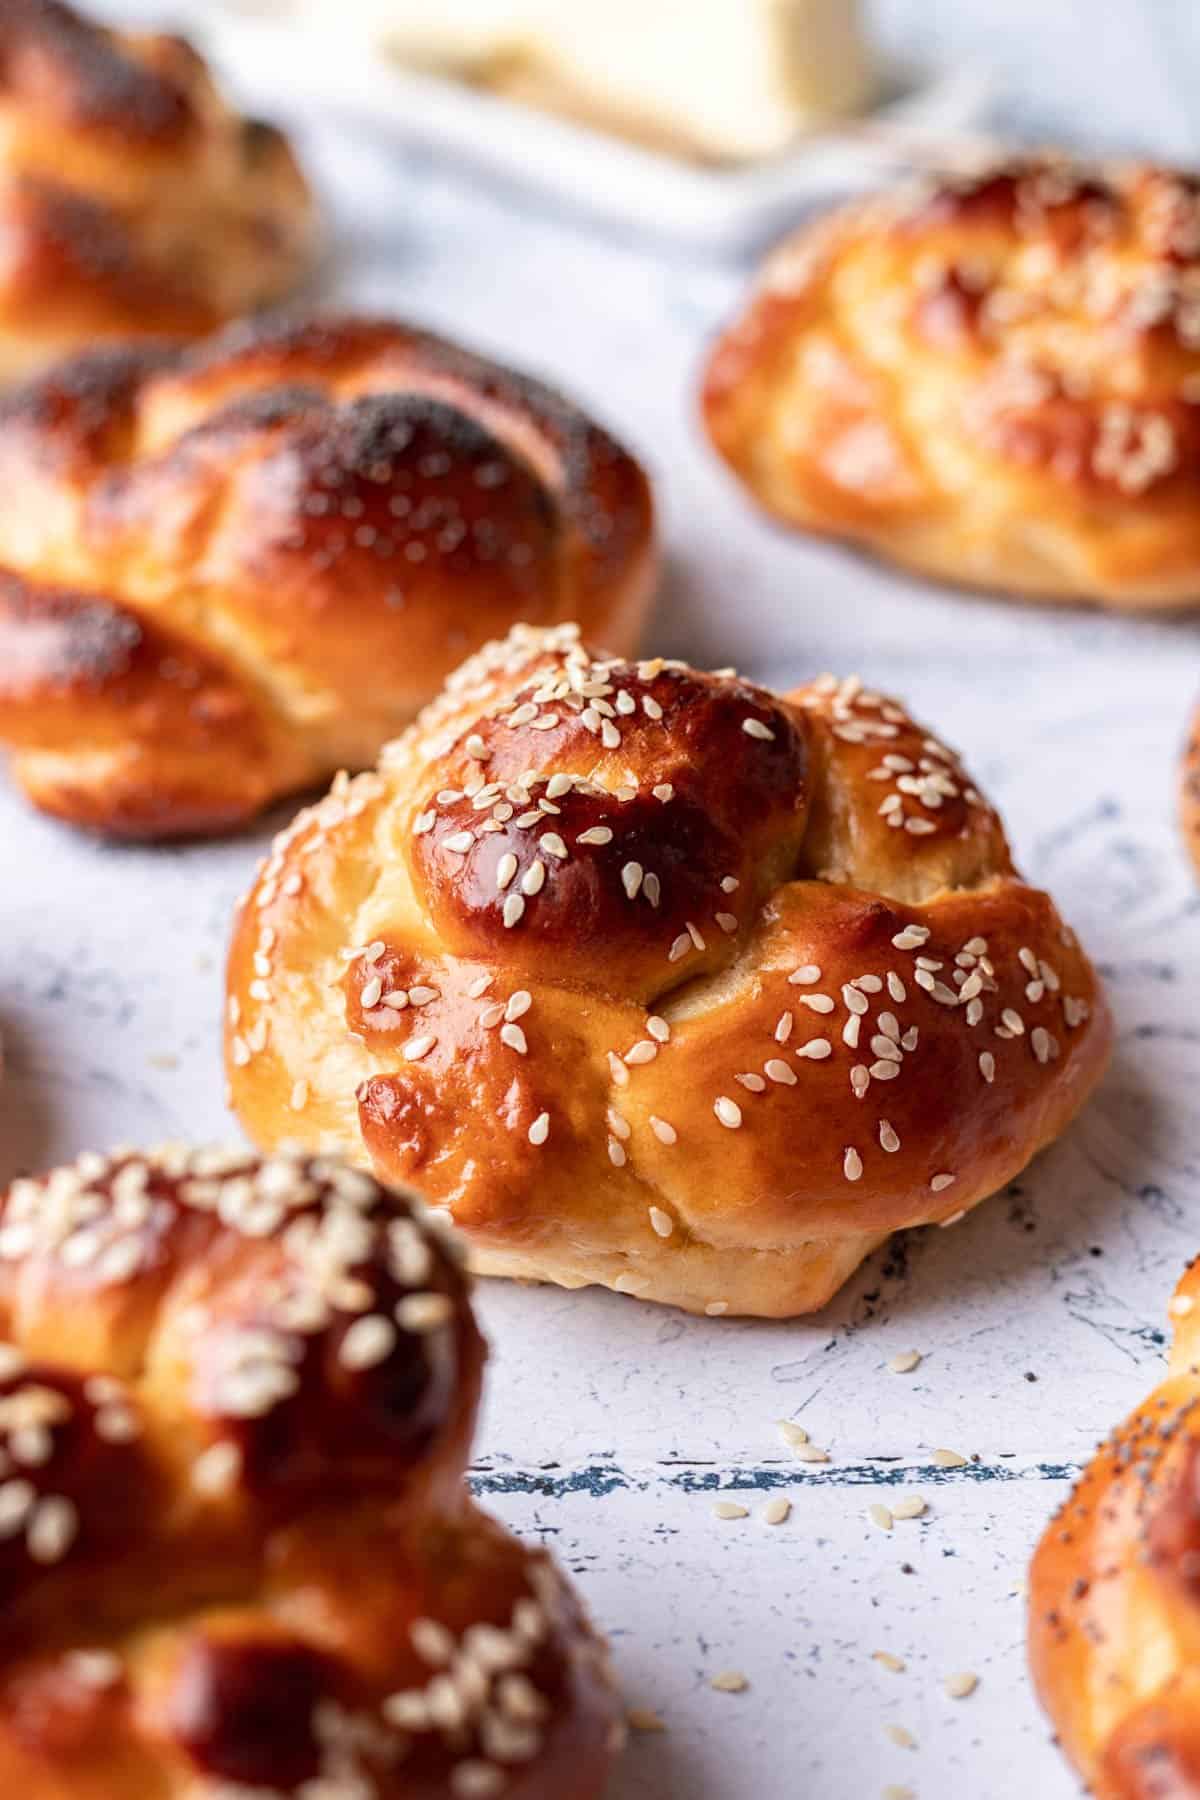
[(610, 1426)]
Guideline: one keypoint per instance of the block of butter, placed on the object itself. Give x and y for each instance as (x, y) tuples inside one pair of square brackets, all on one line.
[(720, 80)]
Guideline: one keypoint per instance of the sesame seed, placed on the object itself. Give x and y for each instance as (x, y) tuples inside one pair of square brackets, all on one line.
[(730, 884), (941, 1182), (514, 1038), (665, 1133), (491, 1015), (816, 1049), (887, 1137), (217, 1469), (949, 1459), (852, 1166), (905, 1361), (1181, 1306), (553, 845), (424, 1312), (598, 834), (805, 976), (880, 1516), (952, 1218), (987, 1065), (680, 947), (370, 1340), (519, 1003), (791, 1433), (715, 1308), (728, 1112), (459, 843), (754, 1084), (371, 993), (640, 1718), (663, 792), (513, 911), (539, 1131), (299, 1096), (756, 729), (885, 1659), (818, 1003), (506, 868), (662, 1222), (901, 1737), (414, 1048), (776, 1511), (729, 1681), (631, 1284), (727, 922), (1012, 1021), (616, 1153), (959, 1686), (783, 1028), (52, 1529), (658, 1029), (644, 1051), (534, 878), (777, 1070), (729, 1509), (479, 987), (911, 1506), (631, 879)]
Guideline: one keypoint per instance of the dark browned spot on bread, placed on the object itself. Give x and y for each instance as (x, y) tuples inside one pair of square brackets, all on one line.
[(51, 56), (243, 1709)]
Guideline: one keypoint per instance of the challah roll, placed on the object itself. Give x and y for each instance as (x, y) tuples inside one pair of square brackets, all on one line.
[(237, 1554), (133, 200), (227, 572), (656, 979), (1114, 1600), (993, 380)]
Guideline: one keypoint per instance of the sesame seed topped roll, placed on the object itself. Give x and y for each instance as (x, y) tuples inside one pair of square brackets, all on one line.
[(226, 572), (992, 379), (1114, 1593), (133, 200), (237, 1554), (660, 980)]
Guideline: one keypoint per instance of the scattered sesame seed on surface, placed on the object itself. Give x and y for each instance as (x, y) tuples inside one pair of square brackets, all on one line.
[(880, 1515), (909, 1506), (729, 1681), (730, 1509), (790, 1432), (949, 1459), (905, 1361), (960, 1685), (894, 1664), (641, 1718), (777, 1510)]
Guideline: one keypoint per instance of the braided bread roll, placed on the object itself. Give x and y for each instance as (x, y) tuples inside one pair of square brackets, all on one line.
[(660, 980), (227, 572), (993, 380), (1114, 1624), (133, 200), (237, 1556)]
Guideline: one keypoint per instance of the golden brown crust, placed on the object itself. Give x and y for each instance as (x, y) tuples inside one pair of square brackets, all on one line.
[(1114, 1603), (1189, 792), (236, 1550), (132, 199), (659, 980), (302, 526), (995, 382)]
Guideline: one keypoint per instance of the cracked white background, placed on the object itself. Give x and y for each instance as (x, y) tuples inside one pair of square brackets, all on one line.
[(610, 1425)]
